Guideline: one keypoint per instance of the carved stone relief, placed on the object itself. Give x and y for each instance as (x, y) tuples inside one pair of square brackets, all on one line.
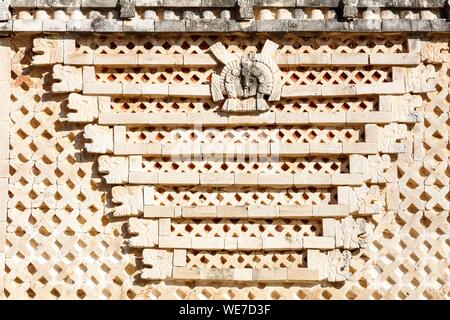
[(247, 80), (5, 14), (127, 9), (339, 265)]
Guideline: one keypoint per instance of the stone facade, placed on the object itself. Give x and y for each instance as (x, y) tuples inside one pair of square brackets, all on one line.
[(208, 162)]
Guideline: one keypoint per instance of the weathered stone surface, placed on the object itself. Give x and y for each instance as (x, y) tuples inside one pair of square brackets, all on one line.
[(119, 162)]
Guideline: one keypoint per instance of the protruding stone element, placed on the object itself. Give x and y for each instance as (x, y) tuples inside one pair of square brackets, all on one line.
[(435, 52), (376, 168), (245, 9), (127, 9), (158, 264), (48, 51), (5, 14), (350, 11), (421, 79), (247, 80), (145, 233), (68, 79), (101, 137), (115, 168), (86, 108), (351, 233), (407, 108), (339, 266), (362, 200), (131, 200), (390, 138)]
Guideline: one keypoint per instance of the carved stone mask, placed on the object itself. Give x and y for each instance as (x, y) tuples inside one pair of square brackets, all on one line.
[(247, 81), (249, 77)]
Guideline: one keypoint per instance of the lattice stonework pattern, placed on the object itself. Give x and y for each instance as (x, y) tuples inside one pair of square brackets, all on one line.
[(215, 166)]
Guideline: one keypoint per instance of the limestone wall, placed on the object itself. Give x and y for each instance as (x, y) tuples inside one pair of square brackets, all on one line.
[(283, 161)]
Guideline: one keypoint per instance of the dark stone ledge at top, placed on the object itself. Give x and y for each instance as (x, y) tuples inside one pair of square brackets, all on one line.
[(226, 3), (223, 26)]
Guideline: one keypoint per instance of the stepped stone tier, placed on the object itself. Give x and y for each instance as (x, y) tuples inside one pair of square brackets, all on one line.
[(224, 149)]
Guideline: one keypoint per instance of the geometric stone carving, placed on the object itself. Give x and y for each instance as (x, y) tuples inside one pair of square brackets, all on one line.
[(127, 9), (390, 138), (48, 51), (339, 265), (350, 9), (115, 168), (145, 232), (158, 264), (368, 199), (246, 80), (69, 79), (5, 14), (435, 52), (362, 200), (421, 79), (376, 168), (101, 137), (351, 233), (131, 200), (407, 108), (245, 9), (85, 107)]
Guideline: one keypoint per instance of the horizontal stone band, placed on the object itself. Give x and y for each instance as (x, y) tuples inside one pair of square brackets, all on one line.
[(248, 212), (242, 179)]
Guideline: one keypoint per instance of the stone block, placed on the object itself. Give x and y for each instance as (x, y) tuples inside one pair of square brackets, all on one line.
[(330, 210), (208, 243), (154, 59), (230, 244), (282, 243), (305, 179), (198, 60), (159, 212), (295, 212), (250, 243), (231, 212), (116, 59), (275, 180), (369, 117), (327, 118), (245, 179), (303, 274), (323, 243), (325, 148), (143, 177), (181, 273), (171, 242), (217, 179), (359, 148), (199, 212), (270, 275), (290, 149), (178, 179), (179, 258), (165, 226), (287, 118), (189, 90), (350, 59), (262, 212), (158, 90), (347, 179)]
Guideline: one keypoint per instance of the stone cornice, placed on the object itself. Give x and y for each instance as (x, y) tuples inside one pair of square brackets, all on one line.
[(217, 16)]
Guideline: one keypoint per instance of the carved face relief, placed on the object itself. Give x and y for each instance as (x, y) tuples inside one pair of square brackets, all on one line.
[(246, 80), (127, 9)]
